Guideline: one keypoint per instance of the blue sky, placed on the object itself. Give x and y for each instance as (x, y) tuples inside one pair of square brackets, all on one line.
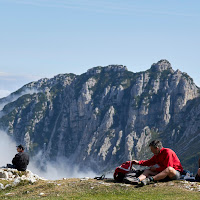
[(43, 38)]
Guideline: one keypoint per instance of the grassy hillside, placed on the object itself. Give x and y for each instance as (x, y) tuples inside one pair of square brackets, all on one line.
[(102, 190)]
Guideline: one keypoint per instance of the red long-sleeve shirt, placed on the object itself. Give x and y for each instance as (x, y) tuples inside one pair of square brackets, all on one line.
[(165, 158)]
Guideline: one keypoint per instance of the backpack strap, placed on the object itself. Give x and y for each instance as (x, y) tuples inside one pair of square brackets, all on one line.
[(100, 177)]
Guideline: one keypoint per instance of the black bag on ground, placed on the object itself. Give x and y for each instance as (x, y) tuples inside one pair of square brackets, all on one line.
[(131, 176)]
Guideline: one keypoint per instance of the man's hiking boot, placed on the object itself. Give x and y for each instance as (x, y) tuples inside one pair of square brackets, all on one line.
[(131, 180), (146, 181)]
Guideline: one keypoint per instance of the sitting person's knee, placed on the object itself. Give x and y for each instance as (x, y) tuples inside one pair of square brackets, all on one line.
[(172, 173), (171, 170)]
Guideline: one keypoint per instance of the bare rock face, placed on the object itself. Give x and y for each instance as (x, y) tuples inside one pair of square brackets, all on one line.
[(105, 116)]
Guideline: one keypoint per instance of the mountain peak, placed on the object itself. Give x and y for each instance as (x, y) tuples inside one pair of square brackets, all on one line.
[(162, 65)]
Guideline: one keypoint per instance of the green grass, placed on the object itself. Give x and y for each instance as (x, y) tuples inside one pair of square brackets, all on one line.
[(100, 190)]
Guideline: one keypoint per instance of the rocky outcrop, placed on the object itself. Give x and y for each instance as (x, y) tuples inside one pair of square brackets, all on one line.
[(106, 116), (16, 177)]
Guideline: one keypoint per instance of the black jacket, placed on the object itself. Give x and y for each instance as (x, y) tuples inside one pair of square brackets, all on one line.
[(21, 160)]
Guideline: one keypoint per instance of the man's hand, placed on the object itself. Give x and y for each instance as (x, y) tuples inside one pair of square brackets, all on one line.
[(135, 162)]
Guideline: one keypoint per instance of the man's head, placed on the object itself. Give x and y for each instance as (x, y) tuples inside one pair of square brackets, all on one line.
[(20, 148), (155, 146)]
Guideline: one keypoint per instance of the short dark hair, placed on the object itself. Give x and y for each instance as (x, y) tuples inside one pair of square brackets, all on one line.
[(156, 144), (20, 147)]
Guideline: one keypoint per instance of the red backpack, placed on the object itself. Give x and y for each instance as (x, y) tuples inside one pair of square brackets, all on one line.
[(121, 170)]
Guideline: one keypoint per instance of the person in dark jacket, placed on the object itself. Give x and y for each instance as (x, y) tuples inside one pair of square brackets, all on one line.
[(21, 160)]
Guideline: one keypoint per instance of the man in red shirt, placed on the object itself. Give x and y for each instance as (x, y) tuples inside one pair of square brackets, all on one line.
[(168, 165)]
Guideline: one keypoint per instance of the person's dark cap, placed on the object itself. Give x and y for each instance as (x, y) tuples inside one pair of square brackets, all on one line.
[(20, 146)]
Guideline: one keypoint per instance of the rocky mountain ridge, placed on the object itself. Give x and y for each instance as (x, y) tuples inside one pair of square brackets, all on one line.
[(107, 115)]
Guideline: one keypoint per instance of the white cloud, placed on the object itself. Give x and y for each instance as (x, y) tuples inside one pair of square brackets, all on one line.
[(8, 149), (2, 74), (61, 168), (14, 97), (4, 93), (12, 82)]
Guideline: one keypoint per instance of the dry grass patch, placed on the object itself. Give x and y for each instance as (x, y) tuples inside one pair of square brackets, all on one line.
[(93, 189)]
